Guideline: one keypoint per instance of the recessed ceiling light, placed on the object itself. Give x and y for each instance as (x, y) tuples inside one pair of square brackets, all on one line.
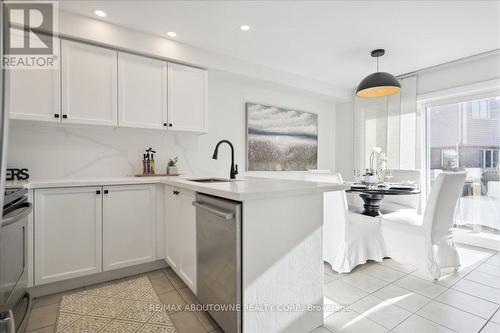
[(100, 13), (171, 34), (244, 27)]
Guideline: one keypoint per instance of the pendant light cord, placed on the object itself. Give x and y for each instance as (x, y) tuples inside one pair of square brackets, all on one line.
[(377, 63)]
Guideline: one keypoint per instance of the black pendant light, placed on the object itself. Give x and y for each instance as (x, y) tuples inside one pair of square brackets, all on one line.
[(378, 84)]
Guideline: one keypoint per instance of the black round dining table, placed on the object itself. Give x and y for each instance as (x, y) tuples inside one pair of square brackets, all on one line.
[(372, 197)]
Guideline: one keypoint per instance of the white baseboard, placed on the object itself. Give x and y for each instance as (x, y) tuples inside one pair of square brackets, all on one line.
[(60, 286)]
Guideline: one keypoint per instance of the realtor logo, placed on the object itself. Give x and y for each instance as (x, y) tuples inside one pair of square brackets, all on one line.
[(29, 34)]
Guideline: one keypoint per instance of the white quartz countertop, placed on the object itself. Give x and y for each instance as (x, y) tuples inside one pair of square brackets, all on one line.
[(244, 188)]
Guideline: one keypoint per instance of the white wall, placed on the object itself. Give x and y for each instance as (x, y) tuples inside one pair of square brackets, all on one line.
[(51, 151), (344, 139), (480, 69)]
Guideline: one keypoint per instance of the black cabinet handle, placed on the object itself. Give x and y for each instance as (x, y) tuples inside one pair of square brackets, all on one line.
[(65, 116), (106, 191), (98, 192), (176, 192), (169, 124), (165, 124), (56, 115)]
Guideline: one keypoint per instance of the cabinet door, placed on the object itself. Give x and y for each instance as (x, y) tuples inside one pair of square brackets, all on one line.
[(142, 92), (187, 99), (187, 269), (89, 84), (129, 224), (34, 93), (173, 222), (67, 224)]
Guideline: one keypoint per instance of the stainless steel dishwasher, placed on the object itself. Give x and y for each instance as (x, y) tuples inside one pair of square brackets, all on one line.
[(218, 247)]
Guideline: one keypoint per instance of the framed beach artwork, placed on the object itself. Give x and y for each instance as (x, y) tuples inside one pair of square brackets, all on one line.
[(280, 139)]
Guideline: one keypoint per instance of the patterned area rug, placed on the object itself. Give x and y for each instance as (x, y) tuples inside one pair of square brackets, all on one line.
[(120, 307)]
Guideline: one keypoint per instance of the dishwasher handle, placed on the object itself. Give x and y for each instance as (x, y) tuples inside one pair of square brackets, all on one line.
[(21, 212), (214, 210)]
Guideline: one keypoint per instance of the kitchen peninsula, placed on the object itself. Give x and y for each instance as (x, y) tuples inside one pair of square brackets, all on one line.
[(281, 247)]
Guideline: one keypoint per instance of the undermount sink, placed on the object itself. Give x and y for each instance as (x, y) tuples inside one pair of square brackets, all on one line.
[(211, 180)]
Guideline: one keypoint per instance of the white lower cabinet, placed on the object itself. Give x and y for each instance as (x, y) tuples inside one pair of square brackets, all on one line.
[(85, 230), (180, 226), (129, 215), (67, 225)]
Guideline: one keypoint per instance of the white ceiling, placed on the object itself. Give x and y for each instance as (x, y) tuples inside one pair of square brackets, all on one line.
[(325, 40)]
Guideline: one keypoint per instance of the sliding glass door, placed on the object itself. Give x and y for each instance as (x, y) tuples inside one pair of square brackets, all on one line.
[(463, 134)]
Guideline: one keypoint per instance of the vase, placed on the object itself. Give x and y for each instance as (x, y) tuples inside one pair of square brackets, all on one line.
[(171, 170)]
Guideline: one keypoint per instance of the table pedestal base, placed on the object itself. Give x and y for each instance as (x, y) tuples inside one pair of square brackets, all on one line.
[(371, 203)]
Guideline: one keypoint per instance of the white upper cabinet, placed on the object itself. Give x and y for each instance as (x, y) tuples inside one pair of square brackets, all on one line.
[(129, 215), (34, 93), (89, 84), (187, 99), (67, 233), (142, 92)]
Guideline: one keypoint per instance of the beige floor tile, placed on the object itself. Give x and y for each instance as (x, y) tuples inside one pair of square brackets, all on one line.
[(42, 316), (468, 303), (321, 329), (364, 282), (404, 268), (401, 297), (161, 284), (452, 318), (217, 330), (420, 286), (489, 269), (172, 298), (381, 311), (351, 321), (491, 328), (417, 324), (206, 320), (156, 274), (188, 296), (478, 290), (494, 260), (47, 300), (382, 272), (342, 292), (186, 322), (484, 278), (176, 281), (496, 317), (446, 280)]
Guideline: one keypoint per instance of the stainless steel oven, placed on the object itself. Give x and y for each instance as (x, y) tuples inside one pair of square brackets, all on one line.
[(13, 261)]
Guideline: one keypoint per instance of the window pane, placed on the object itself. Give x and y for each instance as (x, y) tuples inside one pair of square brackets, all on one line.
[(465, 136)]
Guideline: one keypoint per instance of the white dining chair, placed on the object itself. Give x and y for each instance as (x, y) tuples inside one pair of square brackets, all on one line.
[(349, 239), (426, 241), (394, 203)]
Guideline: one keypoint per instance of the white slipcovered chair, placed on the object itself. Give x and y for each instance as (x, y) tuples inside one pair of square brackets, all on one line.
[(349, 239), (426, 241), (394, 203)]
